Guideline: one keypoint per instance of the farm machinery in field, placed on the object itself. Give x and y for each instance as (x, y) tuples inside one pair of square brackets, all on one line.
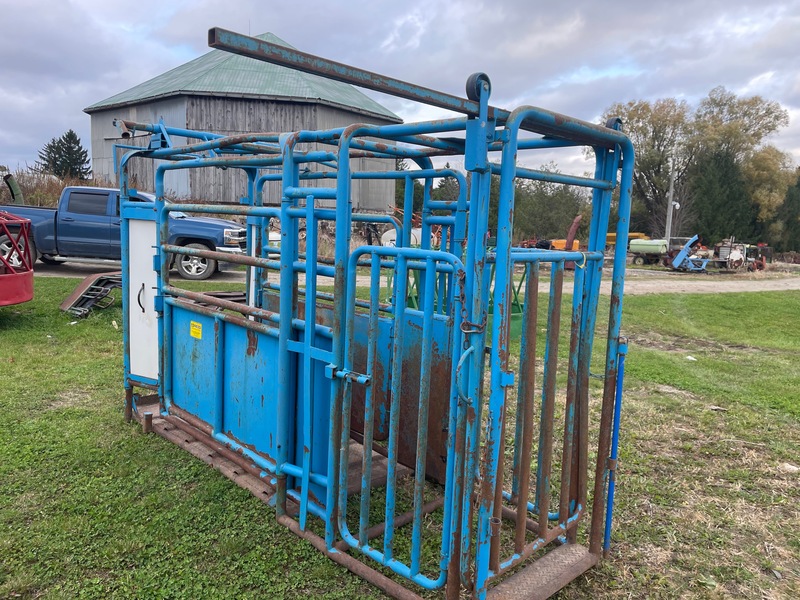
[(728, 255)]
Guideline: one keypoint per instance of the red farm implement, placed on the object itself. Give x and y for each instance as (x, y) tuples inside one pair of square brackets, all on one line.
[(16, 260)]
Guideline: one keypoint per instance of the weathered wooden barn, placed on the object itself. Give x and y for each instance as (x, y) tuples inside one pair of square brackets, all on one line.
[(230, 94)]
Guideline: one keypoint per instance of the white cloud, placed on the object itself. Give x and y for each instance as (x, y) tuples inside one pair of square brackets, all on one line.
[(407, 33), (62, 56)]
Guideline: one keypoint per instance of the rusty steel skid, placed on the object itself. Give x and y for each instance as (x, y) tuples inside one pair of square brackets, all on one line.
[(333, 397)]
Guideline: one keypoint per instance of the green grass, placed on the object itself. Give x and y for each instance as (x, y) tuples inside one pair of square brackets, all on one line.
[(92, 508)]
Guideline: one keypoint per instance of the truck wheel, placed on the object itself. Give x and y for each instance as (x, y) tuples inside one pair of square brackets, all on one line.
[(638, 260), (195, 267), (15, 260)]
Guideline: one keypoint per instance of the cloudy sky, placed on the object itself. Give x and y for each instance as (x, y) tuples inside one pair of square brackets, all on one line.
[(575, 57)]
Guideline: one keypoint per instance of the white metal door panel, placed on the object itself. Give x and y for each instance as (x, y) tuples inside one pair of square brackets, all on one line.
[(142, 317)]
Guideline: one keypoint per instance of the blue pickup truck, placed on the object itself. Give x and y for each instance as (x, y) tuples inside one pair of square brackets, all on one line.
[(86, 224)]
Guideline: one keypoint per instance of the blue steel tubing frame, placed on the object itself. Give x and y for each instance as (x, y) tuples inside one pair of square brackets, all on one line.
[(164, 258), (607, 165), (465, 408), (343, 223), (286, 367), (164, 208), (500, 378), (309, 339), (532, 258), (627, 158), (386, 557), (480, 131), (129, 379)]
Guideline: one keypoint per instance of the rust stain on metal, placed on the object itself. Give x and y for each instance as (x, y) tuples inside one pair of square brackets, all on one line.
[(252, 343)]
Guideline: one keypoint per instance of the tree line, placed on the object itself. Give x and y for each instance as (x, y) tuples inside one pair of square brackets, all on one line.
[(727, 180)]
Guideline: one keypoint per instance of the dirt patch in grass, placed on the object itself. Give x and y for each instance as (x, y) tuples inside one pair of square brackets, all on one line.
[(69, 399), (684, 344)]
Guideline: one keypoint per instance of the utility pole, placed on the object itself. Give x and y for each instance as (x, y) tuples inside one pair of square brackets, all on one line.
[(670, 194)]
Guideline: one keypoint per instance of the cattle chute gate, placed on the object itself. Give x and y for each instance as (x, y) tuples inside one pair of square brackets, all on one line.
[(437, 442)]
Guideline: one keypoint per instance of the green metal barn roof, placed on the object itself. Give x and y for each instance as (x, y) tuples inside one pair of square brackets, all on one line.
[(220, 73)]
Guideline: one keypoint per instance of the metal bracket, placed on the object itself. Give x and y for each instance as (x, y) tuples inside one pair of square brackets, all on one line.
[(353, 376)]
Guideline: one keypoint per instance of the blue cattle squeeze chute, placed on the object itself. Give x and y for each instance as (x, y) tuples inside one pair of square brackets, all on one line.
[(429, 407)]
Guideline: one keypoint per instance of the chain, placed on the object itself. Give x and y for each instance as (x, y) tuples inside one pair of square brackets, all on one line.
[(467, 326)]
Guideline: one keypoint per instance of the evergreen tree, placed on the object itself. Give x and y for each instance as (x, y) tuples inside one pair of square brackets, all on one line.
[(786, 226), (722, 205), (65, 157), (447, 189), (400, 188)]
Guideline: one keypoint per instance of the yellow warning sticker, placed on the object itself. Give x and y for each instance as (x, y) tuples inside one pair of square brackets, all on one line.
[(196, 330)]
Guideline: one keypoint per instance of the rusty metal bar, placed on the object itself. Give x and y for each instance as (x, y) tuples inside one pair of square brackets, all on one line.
[(369, 405), (399, 521), (539, 121), (545, 456), (603, 448), (205, 299), (128, 404), (422, 413), (192, 420), (526, 522), (568, 468), (497, 520), (525, 401), (300, 61), (235, 457), (394, 589), (239, 259)]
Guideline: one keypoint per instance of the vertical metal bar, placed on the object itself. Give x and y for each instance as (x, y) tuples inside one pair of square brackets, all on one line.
[(309, 341), (497, 513), (128, 401), (258, 241), (250, 273), (408, 213), (443, 278), (343, 449), (394, 406), (545, 456), (607, 164), (369, 402), (525, 401), (570, 418), (422, 413), (489, 522), (518, 411), (286, 361), (476, 293), (425, 235), (125, 256), (614, 323), (454, 480), (219, 381), (162, 279), (612, 471), (344, 209)]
